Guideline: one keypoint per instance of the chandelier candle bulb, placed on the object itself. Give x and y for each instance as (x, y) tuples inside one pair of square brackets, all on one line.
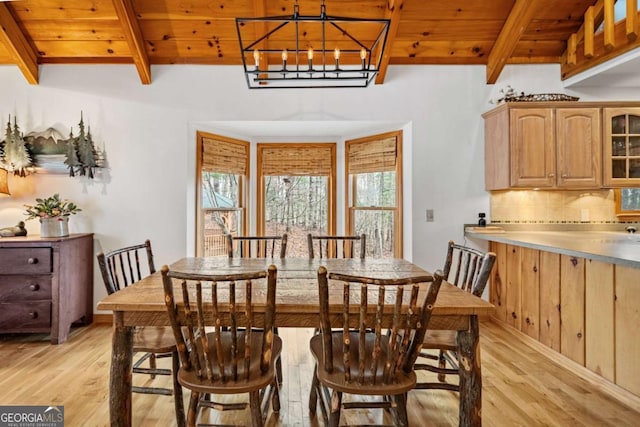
[(363, 56), (256, 57)]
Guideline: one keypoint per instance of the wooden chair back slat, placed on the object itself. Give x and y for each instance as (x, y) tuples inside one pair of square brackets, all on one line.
[(380, 357), (230, 344), (362, 330), (123, 267), (257, 246), (468, 268), (336, 246), (346, 355)]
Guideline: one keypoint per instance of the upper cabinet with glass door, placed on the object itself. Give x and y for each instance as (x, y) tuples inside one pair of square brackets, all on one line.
[(621, 147)]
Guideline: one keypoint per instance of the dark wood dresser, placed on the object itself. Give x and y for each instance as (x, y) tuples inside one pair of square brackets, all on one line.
[(46, 284)]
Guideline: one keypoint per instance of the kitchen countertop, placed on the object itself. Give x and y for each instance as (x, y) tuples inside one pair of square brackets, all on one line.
[(615, 247)]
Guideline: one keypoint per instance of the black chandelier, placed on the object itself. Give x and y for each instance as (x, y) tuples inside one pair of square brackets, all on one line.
[(300, 51)]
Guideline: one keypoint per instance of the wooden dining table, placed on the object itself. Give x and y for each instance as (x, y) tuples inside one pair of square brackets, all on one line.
[(142, 304)]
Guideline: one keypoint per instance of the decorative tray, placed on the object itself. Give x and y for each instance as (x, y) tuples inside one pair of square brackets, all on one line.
[(541, 97)]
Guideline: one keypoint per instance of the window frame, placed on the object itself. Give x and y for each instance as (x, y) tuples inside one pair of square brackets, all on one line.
[(624, 215), (350, 193), (242, 186), (260, 187)]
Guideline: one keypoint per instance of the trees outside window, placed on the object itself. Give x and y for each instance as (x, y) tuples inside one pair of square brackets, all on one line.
[(296, 192), (223, 166), (627, 203), (374, 192)]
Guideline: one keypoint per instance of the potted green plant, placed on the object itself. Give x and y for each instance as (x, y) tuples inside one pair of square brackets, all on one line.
[(53, 213)]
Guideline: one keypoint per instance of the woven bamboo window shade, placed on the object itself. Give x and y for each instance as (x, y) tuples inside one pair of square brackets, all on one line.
[(224, 156), (377, 155), (296, 160)]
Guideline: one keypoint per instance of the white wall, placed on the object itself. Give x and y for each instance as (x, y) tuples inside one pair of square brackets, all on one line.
[(149, 136)]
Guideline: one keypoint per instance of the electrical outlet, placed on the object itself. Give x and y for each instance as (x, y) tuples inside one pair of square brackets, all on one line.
[(584, 215), (429, 215)]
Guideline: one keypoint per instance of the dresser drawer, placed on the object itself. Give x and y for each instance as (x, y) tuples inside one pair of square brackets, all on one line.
[(25, 260), (25, 316), (25, 288)]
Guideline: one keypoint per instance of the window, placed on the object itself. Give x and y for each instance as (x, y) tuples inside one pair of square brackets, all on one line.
[(374, 192), (223, 165), (296, 191), (627, 203)]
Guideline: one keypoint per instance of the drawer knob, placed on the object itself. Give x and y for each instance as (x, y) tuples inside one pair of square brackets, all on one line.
[(33, 314), (32, 261), (34, 287)]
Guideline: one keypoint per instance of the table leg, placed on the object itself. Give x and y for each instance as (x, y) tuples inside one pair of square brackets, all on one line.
[(121, 372), (470, 375)]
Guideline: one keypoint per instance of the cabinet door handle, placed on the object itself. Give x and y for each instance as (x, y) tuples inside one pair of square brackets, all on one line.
[(34, 287), (564, 175), (32, 261), (33, 314), (551, 175)]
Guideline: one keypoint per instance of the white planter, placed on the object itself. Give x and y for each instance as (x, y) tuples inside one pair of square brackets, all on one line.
[(54, 227)]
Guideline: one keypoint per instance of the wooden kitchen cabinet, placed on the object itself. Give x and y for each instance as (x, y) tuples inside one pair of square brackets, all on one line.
[(530, 292), (513, 287), (585, 310), (627, 320), (599, 318), (541, 145), (572, 307), (549, 300), (497, 282), (46, 284), (621, 147)]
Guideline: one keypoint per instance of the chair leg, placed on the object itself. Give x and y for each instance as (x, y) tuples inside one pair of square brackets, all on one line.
[(152, 364), (336, 404), (401, 417), (192, 415), (313, 395), (275, 400), (256, 413), (279, 371), (442, 364), (177, 390)]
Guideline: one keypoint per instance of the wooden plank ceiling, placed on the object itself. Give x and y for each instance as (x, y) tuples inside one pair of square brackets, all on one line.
[(148, 32)]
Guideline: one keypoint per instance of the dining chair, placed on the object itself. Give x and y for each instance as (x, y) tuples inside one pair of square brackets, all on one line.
[(231, 357), (361, 359), (336, 246), (257, 246), (121, 268), (468, 269)]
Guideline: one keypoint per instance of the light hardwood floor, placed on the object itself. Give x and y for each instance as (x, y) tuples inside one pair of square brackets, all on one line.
[(521, 387)]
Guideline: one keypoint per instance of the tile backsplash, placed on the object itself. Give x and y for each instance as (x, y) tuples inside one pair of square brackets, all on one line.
[(552, 207)]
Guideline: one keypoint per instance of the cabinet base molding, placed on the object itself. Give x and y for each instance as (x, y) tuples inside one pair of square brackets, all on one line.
[(620, 394), (103, 318)]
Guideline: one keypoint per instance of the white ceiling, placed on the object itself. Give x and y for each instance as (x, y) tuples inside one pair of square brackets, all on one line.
[(622, 71)]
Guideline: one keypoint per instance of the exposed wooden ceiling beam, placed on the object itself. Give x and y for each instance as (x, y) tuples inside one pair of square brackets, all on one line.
[(513, 28), (260, 9), (133, 34), (393, 12), (18, 45)]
